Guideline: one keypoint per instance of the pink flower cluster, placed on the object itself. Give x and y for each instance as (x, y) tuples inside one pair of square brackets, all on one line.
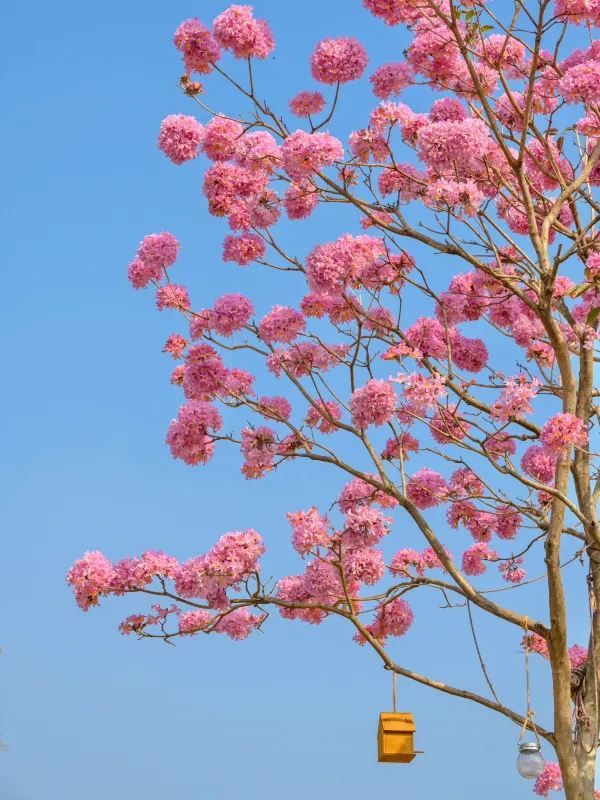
[(238, 31), (198, 46), (474, 557), (191, 435), (373, 404), (338, 60), (259, 448), (563, 431), (281, 324), (406, 558), (549, 781), (309, 530), (427, 488), (156, 252), (304, 104), (243, 249), (305, 153), (516, 397), (179, 137), (233, 557), (391, 79)]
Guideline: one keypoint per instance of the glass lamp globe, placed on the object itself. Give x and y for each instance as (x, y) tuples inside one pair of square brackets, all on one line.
[(530, 763)]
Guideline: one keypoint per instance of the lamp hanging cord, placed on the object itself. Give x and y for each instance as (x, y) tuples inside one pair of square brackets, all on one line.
[(394, 678), (529, 720)]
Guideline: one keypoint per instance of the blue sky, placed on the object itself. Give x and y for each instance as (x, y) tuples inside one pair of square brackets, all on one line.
[(86, 401)]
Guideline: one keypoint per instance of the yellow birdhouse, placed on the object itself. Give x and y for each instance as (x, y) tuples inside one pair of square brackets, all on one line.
[(395, 737)]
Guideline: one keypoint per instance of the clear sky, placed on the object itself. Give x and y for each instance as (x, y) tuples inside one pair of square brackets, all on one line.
[(87, 713)]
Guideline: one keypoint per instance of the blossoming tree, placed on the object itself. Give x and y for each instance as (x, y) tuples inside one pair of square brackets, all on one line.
[(500, 172)]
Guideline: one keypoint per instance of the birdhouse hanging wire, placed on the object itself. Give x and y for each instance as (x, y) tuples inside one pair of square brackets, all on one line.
[(395, 734)]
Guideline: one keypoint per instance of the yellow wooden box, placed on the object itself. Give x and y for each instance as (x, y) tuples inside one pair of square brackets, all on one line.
[(395, 737)]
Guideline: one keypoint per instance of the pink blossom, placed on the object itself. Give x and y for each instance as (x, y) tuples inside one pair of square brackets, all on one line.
[(508, 522), (338, 60), (392, 619), (90, 578), (175, 345), (563, 431), (236, 30), (465, 299), (421, 392), (549, 781), (512, 570), (193, 621), (577, 656), (581, 83), (372, 404), (427, 488), (179, 137), (447, 426), (309, 530), (505, 52), (177, 375), (305, 153), (364, 526), (275, 407), (515, 398), (455, 195), (578, 11), (237, 382), (474, 556), (360, 493), (391, 79), (304, 104), (536, 644), (173, 295), (592, 267), (447, 109), (238, 624), (302, 359), (365, 144), (300, 200), (460, 513), (197, 45), (465, 482), (332, 265), (468, 354), (220, 138), (189, 436), (259, 451), (226, 185), (403, 179), (364, 564), (428, 336), (158, 251), (539, 463), (281, 324), (400, 446), (324, 416), (140, 274), (243, 249), (481, 525), (293, 590), (459, 145), (201, 322), (204, 374), (231, 313), (406, 558), (396, 11), (500, 445), (257, 151)]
